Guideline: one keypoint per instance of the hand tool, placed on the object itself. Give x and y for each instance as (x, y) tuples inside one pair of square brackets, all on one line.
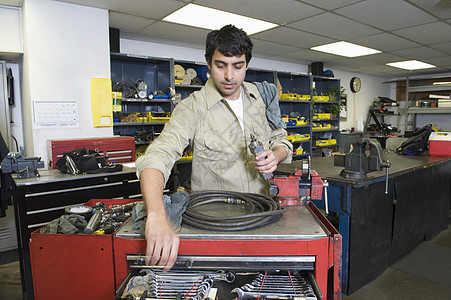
[(256, 147)]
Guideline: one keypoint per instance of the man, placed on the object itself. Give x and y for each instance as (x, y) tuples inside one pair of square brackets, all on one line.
[(217, 121)]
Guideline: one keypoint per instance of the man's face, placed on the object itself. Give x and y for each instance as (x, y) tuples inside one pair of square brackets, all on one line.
[(228, 74)]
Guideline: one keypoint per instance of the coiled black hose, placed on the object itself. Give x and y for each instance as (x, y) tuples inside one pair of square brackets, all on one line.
[(262, 211)]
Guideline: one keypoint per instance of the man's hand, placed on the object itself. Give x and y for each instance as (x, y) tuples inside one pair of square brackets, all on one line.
[(270, 159), (162, 242)]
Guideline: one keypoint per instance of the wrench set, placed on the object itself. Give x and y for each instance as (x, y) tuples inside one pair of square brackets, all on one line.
[(197, 285)]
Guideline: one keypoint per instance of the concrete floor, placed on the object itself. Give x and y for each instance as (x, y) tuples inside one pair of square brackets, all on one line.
[(425, 273)]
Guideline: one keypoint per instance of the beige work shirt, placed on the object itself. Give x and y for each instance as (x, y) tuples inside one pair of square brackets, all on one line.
[(221, 157)]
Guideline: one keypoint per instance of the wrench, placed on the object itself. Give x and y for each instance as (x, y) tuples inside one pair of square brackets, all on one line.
[(244, 295)]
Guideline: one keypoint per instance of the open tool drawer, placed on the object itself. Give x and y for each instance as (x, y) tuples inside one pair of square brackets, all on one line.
[(224, 278), (301, 244)]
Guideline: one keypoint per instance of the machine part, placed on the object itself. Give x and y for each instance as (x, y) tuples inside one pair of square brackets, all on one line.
[(326, 201), (25, 167), (141, 87), (262, 211), (298, 187), (359, 162), (93, 222), (256, 147), (71, 167), (83, 210)]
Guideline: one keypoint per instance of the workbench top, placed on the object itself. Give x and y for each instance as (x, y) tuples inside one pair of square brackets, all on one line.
[(400, 164)]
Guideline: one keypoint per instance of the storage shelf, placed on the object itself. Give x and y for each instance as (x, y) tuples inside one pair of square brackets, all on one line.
[(429, 110), (188, 86), (300, 126), (429, 88), (138, 123)]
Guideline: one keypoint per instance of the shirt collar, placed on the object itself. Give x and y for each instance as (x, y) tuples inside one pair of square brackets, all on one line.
[(213, 96)]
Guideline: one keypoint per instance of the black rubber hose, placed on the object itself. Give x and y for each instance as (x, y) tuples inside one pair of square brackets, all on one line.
[(262, 210)]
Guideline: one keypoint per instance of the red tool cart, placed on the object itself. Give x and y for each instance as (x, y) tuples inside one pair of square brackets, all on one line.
[(73, 266), (301, 241)]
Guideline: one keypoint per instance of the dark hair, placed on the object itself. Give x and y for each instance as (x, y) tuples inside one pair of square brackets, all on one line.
[(230, 41)]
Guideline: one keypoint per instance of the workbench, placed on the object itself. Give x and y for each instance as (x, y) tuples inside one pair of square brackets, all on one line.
[(39, 200), (378, 228)]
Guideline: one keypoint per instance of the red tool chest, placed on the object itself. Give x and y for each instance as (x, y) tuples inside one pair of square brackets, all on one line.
[(73, 266), (302, 232), (117, 149)]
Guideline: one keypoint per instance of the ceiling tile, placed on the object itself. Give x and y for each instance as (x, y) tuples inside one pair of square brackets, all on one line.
[(384, 42), (434, 7), (326, 25), (177, 32), (444, 47), (311, 55), (155, 9), (433, 33), (330, 4), (128, 23), (439, 61), (294, 37), (385, 14), (419, 53), (279, 12), (265, 48)]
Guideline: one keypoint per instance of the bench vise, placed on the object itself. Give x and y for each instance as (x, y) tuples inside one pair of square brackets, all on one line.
[(25, 167), (365, 157)]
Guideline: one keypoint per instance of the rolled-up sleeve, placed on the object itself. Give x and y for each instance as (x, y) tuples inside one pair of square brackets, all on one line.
[(164, 151), (279, 138)]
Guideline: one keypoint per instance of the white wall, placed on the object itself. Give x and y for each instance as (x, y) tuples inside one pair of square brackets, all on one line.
[(358, 104), (65, 46)]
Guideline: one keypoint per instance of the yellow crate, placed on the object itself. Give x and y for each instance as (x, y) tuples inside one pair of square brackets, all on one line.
[(304, 97), (320, 98), (322, 127), (321, 116), (331, 142), (186, 157), (321, 143), (289, 96), (151, 118), (299, 151)]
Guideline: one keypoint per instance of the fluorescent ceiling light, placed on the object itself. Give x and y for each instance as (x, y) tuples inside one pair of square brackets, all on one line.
[(209, 18), (439, 83), (345, 49), (411, 65)]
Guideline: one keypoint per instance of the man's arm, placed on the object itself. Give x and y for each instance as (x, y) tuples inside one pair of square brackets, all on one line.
[(162, 241), (271, 159)]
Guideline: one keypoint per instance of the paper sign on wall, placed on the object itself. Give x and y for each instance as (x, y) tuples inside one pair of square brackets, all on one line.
[(55, 114)]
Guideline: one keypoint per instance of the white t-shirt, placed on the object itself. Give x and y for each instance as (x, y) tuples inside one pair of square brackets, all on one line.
[(238, 109)]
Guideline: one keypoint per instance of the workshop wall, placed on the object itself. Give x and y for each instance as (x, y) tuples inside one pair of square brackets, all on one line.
[(65, 46)]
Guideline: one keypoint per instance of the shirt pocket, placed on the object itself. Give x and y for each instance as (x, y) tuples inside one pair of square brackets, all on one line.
[(214, 148), (262, 133)]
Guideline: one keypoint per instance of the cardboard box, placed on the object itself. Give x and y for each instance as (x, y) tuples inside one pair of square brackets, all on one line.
[(440, 144)]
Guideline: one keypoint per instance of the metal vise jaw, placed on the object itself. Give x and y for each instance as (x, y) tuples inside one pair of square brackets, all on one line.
[(25, 167), (298, 187)]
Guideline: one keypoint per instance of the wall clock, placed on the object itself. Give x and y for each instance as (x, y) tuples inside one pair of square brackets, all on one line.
[(356, 84)]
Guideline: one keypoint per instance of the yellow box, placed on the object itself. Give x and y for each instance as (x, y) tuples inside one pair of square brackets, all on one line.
[(321, 116), (299, 151), (320, 98), (331, 142), (151, 118), (289, 96), (304, 97), (321, 143)]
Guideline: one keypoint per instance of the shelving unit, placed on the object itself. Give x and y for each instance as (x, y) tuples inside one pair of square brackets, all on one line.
[(419, 101), (297, 84), (323, 116), (158, 74)]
